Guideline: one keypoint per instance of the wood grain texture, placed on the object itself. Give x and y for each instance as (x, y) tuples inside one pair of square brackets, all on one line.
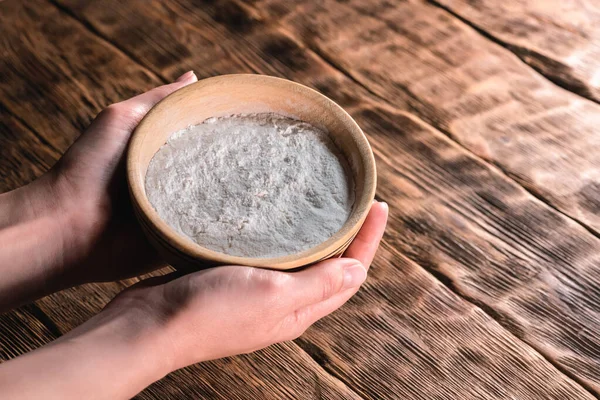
[(24, 156), (406, 336), (475, 91), (560, 39), (511, 218), (52, 72), (279, 372), (58, 48), (532, 269), (22, 331)]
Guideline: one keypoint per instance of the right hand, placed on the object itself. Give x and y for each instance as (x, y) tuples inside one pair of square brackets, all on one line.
[(231, 310)]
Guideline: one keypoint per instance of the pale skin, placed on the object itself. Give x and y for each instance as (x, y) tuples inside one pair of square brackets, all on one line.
[(74, 225)]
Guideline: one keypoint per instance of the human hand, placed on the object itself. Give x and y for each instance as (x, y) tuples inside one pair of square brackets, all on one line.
[(231, 310), (91, 182), (74, 224), (86, 193), (154, 328)]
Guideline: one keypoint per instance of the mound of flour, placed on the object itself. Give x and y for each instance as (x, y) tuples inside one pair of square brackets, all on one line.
[(257, 185)]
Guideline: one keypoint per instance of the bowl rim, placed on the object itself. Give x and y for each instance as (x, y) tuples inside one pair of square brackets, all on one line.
[(191, 249)]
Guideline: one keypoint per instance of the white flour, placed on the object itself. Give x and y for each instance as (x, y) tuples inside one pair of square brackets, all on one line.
[(259, 185)]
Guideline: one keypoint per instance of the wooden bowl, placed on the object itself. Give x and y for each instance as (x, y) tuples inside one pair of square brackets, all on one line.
[(243, 94)]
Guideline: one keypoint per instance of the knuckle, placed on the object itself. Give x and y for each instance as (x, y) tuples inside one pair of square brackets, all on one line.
[(297, 332), (113, 111), (330, 282), (272, 283), (137, 111), (123, 112), (295, 325), (298, 317), (142, 300)]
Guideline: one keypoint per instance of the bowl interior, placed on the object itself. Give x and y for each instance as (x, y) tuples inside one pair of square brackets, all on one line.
[(244, 94)]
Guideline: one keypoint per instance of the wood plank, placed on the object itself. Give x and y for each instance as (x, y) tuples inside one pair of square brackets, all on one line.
[(268, 48), (532, 269), (477, 92), (86, 75), (174, 49), (279, 372), (23, 156), (51, 75), (405, 335), (557, 38), (21, 331)]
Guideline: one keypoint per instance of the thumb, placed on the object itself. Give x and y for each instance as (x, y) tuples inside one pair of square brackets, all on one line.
[(324, 280)]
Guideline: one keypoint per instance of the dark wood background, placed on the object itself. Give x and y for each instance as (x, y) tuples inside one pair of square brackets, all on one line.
[(485, 122)]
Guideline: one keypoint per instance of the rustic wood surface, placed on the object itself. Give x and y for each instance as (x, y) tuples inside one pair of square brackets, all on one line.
[(487, 283), (560, 39)]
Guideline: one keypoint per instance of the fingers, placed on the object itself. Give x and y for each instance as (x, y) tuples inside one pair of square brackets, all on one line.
[(127, 114), (304, 317), (284, 303), (365, 244), (326, 276), (102, 145), (190, 75), (139, 106), (324, 280)]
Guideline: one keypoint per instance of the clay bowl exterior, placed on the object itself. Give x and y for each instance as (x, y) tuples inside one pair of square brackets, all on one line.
[(242, 94)]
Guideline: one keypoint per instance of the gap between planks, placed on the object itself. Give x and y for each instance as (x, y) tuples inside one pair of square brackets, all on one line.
[(25, 124), (44, 319), (90, 28), (488, 163), (446, 282), (388, 104), (39, 314), (514, 49)]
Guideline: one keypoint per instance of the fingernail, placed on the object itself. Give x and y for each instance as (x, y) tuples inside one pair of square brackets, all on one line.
[(385, 205), (354, 276), (185, 77)]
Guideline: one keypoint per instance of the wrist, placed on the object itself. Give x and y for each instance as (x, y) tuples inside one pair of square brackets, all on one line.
[(33, 254), (124, 348), (28, 202), (73, 219), (112, 356), (43, 241)]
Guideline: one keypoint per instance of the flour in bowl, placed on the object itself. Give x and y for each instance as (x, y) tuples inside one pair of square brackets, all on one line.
[(256, 185)]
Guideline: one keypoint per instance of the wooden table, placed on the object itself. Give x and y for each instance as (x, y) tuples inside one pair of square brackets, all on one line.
[(485, 122)]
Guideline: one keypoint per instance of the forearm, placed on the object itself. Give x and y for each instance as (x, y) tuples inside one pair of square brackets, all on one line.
[(109, 357), (32, 247)]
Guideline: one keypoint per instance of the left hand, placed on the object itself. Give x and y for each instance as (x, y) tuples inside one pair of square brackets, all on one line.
[(230, 310), (75, 224), (91, 187)]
